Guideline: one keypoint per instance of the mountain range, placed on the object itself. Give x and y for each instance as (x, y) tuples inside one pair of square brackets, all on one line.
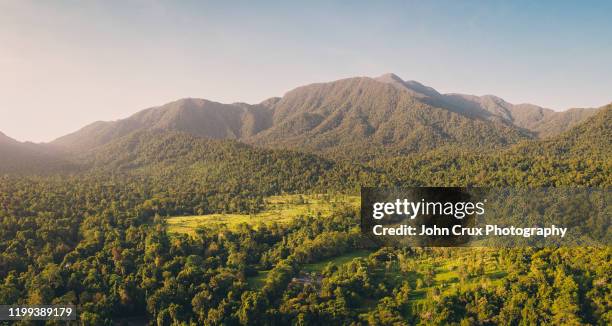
[(358, 118), (383, 111)]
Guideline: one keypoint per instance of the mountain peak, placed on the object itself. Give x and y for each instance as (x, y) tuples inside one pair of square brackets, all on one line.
[(390, 77), (410, 85)]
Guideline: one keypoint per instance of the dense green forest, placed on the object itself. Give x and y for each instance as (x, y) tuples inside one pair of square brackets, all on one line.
[(97, 237), (105, 248)]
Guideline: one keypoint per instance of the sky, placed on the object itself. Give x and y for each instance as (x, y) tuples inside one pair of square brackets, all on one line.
[(65, 64)]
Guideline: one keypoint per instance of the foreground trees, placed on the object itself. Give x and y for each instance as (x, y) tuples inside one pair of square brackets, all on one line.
[(101, 248)]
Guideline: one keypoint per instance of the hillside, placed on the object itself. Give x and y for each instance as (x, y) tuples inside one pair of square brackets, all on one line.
[(180, 158), (357, 115), (594, 135), (18, 157), (198, 117), (541, 122), (581, 156)]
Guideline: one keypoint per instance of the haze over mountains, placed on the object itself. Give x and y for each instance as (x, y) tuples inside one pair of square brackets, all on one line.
[(356, 118), (15, 155)]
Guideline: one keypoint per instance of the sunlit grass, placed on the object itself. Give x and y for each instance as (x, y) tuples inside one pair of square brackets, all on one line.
[(336, 261), (279, 209), (257, 281)]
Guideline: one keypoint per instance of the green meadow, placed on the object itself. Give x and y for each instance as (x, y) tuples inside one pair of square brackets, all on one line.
[(278, 209), (336, 261)]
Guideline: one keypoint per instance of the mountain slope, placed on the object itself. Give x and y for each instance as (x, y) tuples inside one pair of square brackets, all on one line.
[(18, 157), (581, 156), (363, 114), (195, 116), (592, 137), (181, 158), (540, 121)]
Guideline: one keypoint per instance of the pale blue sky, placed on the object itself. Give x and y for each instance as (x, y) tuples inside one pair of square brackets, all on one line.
[(64, 64)]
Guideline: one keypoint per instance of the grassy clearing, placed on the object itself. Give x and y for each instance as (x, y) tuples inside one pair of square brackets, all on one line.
[(447, 275), (337, 261), (258, 281), (279, 209)]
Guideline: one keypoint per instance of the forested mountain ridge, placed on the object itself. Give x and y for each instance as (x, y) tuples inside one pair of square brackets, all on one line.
[(195, 116), (354, 120), (358, 115), (18, 157), (361, 113), (595, 133), (180, 158), (581, 156), (540, 121)]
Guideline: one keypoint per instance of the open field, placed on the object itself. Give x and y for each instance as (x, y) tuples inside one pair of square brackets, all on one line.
[(447, 274), (257, 282), (337, 261), (279, 209)]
